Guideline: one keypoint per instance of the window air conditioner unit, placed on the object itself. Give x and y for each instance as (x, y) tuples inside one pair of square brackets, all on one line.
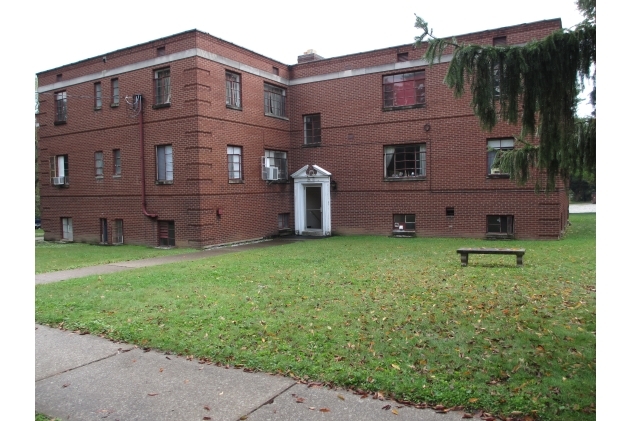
[(59, 181), (495, 171)]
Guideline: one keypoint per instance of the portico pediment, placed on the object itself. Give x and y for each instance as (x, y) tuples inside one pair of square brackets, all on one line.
[(311, 171)]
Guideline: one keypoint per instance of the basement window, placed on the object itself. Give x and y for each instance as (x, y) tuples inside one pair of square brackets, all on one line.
[(404, 222), (166, 233), (498, 226)]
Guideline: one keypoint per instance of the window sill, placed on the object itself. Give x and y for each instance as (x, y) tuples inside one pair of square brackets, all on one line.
[(164, 182), (403, 107), (311, 145), (499, 236), (232, 107), (396, 179), (403, 233), (279, 181), (115, 105), (98, 177), (59, 123), (117, 176), (236, 182), (165, 105), (497, 176), (277, 116), (97, 108)]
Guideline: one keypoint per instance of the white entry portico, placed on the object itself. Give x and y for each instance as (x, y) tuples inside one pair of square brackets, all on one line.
[(312, 200)]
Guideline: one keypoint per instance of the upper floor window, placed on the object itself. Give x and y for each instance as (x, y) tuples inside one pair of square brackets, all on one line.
[(59, 170), (61, 107), (98, 163), (494, 150), (235, 172), (404, 161), (404, 89), (162, 86), (275, 100), (164, 163), (312, 129), (116, 153), (402, 57), (98, 99), (233, 90), (274, 165), (497, 42), (115, 92)]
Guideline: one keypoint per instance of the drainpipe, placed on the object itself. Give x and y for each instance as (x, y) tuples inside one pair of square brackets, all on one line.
[(142, 162)]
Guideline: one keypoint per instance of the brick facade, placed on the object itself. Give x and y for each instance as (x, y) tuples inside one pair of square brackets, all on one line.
[(207, 209)]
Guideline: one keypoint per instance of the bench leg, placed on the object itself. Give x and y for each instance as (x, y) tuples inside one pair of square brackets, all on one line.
[(520, 260), (464, 259)]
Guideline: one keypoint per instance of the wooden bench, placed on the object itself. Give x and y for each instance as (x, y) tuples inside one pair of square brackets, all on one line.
[(465, 252)]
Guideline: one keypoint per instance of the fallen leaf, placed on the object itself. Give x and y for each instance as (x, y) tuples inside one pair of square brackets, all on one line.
[(207, 418), (161, 369), (467, 415), (152, 394), (325, 410), (207, 408), (312, 408), (244, 417), (66, 385), (340, 397), (438, 407), (473, 400), (386, 407), (167, 358), (396, 367), (300, 400), (395, 412)]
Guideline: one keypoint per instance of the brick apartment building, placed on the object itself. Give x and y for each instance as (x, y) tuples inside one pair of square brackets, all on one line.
[(192, 141)]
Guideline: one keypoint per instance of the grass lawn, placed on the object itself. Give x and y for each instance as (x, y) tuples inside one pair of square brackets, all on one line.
[(39, 233), (42, 417), (51, 256), (400, 316)]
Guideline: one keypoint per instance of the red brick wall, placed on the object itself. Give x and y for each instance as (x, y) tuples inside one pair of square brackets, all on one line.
[(199, 127)]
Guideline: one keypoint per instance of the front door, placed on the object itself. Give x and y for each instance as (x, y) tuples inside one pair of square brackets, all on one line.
[(313, 206)]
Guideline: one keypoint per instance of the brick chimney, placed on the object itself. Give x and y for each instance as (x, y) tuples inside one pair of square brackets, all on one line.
[(309, 55)]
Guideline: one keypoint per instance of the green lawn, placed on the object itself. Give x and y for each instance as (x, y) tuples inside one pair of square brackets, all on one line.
[(39, 232), (400, 316), (50, 256)]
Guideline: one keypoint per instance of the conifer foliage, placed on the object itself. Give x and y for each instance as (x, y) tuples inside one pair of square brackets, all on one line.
[(539, 84)]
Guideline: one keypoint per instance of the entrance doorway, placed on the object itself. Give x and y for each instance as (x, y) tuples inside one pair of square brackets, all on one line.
[(313, 205)]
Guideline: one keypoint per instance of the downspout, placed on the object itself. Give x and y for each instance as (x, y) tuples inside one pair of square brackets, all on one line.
[(142, 162)]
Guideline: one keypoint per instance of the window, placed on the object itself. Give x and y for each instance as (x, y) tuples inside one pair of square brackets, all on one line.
[(162, 86), (61, 107), (313, 131), (499, 225), (404, 161), (274, 159), (450, 211), (404, 89), (283, 221), (116, 153), (59, 170), (275, 70), (497, 42), (494, 149), (275, 100), (98, 163), (166, 233), (402, 57), (233, 90), (234, 163), (404, 222), (103, 223), (118, 232), (59, 77), (160, 51), (164, 163), (97, 96), (115, 93), (66, 229)]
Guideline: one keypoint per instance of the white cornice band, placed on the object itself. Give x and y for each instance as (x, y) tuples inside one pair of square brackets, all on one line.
[(197, 52)]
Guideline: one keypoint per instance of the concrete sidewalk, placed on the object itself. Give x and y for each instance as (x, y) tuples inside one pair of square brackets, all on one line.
[(44, 278), (84, 377)]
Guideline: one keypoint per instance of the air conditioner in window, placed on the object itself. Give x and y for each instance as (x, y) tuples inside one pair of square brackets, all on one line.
[(59, 181), (495, 171)]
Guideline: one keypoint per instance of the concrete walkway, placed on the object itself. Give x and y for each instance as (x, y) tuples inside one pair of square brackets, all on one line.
[(84, 377), (583, 208), (44, 278)]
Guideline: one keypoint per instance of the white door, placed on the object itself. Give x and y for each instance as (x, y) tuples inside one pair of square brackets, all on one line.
[(67, 228)]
